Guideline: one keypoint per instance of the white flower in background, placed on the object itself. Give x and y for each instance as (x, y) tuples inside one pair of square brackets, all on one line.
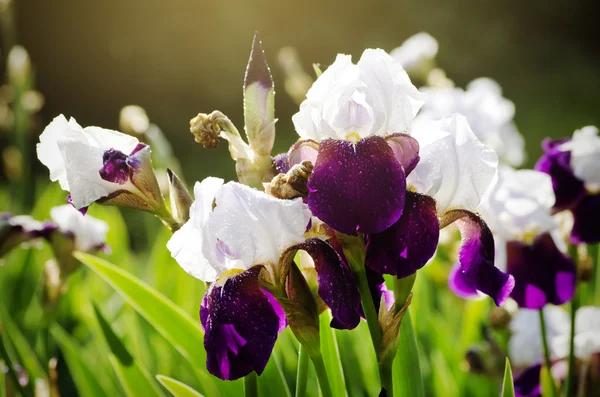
[(352, 102), (233, 226), (585, 156), (525, 344), (94, 164), (416, 50), (489, 114), (89, 233)]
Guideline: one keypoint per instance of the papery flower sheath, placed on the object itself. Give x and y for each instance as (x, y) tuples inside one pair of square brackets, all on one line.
[(234, 233), (574, 165), (351, 121), (99, 165)]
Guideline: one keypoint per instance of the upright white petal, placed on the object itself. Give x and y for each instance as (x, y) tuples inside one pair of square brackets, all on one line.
[(585, 156), (415, 50), (110, 139), (525, 346), (89, 232), (587, 334), (455, 168), (519, 204)]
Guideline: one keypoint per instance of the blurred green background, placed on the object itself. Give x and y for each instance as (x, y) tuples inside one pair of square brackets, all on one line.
[(177, 58)]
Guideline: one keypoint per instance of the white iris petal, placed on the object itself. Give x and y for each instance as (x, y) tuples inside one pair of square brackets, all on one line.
[(89, 232)]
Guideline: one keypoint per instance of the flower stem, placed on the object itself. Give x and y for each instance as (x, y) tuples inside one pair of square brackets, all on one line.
[(302, 372), (322, 376), (251, 385), (547, 361), (569, 382), (385, 375), (369, 309)]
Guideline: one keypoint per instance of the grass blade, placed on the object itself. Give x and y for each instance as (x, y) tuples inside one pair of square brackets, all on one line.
[(508, 386), (406, 369), (177, 388), (331, 356)]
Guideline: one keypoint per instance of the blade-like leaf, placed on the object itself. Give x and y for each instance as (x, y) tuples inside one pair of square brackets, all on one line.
[(272, 381), (508, 387), (84, 378), (546, 382), (134, 378), (406, 369), (177, 388), (183, 332), (331, 355), (259, 101), (27, 356)]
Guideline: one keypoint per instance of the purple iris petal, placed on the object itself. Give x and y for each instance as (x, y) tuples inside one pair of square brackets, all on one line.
[(568, 189), (476, 257), (406, 150), (303, 150), (337, 287), (282, 165), (378, 290), (357, 187), (118, 166), (527, 384), (240, 326), (408, 244), (586, 217), (459, 284), (542, 273)]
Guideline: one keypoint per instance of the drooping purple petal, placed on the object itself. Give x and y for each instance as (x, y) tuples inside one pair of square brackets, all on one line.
[(337, 286), (476, 256), (555, 162), (240, 326), (459, 284), (408, 244), (115, 167), (586, 220), (406, 150), (527, 384), (357, 187), (542, 273)]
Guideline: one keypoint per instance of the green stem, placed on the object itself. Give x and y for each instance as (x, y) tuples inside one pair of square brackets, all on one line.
[(369, 309), (322, 376), (302, 372), (385, 375), (596, 265), (569, 383), (547, 361), (251, 385), (25, 391)]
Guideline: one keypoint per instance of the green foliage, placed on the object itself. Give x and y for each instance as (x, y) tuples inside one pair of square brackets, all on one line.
[(177, 388), (508, 386)]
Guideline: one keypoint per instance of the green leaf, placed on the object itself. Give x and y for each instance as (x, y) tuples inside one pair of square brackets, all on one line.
[(508, 387), (272, 381), (546, 382), (134, 378), (406, 369), (84, 378), (177, 388), (26, 354), (331, 355), (183, 332)]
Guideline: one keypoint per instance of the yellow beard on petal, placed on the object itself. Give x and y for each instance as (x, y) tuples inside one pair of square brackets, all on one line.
[(353, 137)]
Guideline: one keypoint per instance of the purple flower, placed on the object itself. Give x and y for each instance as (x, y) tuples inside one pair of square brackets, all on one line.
[(573, 165), (527, 384)]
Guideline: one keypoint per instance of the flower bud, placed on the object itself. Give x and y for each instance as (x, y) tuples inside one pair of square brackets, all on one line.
[(133, 120), (499, 317), (18, 66), (181, 200), (291, 184), (297, 81)]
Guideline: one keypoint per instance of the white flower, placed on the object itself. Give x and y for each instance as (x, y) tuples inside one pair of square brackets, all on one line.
[(348, 101), (519, 204), (585, 156), (233, 226), (74, 156), (455, 167), (525, 346), (488, 112), (587, 334), (416, 50), (89, 232)]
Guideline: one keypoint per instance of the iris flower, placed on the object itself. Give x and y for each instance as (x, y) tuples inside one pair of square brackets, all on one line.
[(243, 242)]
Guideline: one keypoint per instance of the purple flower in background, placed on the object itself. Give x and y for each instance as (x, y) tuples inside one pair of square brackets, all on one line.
[(99, 165), (234, 233), (574, 165), (527, 384), (351, 124)]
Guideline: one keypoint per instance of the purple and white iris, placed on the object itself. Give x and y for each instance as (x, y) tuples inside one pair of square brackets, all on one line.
[(517, 210), (99, 165), (574, 165), (353, 125), (234, 233)]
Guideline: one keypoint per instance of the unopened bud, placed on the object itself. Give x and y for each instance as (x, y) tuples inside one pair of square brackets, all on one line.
[(32, 101), (18, 65), (291, 184), (133, 120), (297, 81), (181, 200), (52, 282), (499, 318), (13, 163)]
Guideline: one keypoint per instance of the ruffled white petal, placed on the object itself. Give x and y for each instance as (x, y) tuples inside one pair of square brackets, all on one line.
[(373, 97), (415, 50), (525, 346), (110, 139), (585, 156), (587, 334), (519, 204), (89, 232), (455, 168)]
